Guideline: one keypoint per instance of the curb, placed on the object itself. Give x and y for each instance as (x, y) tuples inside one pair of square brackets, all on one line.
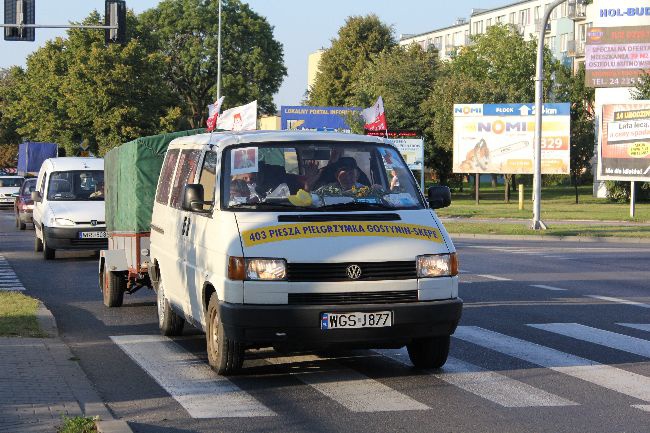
[(89, 400), (551, 238)]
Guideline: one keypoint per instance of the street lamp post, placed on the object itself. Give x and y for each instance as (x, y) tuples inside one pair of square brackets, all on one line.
[(219, 56), (537, 223)]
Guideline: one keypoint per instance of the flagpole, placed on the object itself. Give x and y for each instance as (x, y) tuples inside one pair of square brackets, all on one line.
[(219, 56)]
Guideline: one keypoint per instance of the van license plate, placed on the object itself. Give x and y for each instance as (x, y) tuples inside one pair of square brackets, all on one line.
[(379, 319), (92, 235)]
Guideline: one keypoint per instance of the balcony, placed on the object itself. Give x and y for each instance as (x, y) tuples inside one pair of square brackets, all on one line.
[(576, 48), (577, 12), (538, 26)]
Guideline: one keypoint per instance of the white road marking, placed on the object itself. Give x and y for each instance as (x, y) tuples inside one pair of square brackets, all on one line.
[(494, 277), (542, 286), (612, 378), (613, 340), (486, 384), (353, 390), (191, 382), (13, 289), (640, 326), (620, 301), (643, 407)]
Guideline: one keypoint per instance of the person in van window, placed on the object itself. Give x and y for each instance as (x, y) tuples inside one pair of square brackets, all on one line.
[(99, 190), (394, 182)]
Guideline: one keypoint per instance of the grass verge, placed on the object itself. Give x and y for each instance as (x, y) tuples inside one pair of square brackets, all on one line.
[(18, 316), (77, 424), (558, 230)]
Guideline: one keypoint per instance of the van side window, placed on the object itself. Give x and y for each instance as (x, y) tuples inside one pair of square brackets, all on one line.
[(166, 175), (209, 175), (187, 164)]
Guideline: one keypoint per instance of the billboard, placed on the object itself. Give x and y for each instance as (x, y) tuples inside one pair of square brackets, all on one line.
[(624, 142), (498, 138), (316, 118), (616, 56)]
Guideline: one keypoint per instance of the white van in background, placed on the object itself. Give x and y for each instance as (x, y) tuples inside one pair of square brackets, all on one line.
[(301, 240), (9, 186), (69, 206)]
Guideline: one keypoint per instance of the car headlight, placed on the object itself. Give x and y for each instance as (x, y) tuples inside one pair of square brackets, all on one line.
[(64, 222), (437, 265), (257, 269)]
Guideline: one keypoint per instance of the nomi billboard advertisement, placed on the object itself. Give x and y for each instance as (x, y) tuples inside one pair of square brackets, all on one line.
[(499, 138), (624, 142), (616, 56), (316, 118)]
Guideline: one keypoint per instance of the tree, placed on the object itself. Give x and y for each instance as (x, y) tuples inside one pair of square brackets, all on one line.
[(642, 89), (342, 64), (186, 32), (9, 79), (78, 88), (572, 88), (8, 155)]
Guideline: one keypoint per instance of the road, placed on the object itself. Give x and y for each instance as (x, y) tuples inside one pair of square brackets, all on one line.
[(555, 337)]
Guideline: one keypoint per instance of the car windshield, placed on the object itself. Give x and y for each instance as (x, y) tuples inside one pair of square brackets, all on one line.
[(78, 185), (318, 176), (28, 187), (10, 182)]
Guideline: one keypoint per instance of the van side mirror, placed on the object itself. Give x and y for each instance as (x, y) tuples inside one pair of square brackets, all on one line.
[(193, 198), (36, 196), (439, 197)]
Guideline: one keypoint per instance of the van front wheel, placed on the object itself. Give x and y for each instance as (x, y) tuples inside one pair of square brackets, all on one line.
[(430, 352), (225, 355)]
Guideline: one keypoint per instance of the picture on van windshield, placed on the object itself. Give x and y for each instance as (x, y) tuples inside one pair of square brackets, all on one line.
[(76, 185), (318, 176)]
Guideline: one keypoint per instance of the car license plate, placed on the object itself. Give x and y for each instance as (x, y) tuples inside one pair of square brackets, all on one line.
[(378, 319), (92, 235)]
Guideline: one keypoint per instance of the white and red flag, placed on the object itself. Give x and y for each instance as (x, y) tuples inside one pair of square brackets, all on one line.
[(374, 117), (213, 113), (242, 118)]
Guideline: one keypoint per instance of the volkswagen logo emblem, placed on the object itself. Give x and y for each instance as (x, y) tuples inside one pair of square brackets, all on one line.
[(353, 271), (93, 222)]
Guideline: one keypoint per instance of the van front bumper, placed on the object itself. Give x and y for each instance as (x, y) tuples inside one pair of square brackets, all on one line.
[(295, 326), (67, 238)]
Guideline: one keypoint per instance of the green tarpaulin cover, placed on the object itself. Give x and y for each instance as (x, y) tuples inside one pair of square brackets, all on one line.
[(131, 176)]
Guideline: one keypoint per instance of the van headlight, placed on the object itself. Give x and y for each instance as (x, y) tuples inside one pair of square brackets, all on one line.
[(64, 222), (240, 268), (437, 265)]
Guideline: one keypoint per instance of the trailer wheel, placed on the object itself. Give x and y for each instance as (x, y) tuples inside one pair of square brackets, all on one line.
[(170, 323), (225, 355), (430, 352), (113, 285)]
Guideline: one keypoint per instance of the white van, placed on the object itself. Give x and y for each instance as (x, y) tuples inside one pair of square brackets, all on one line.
[(69, 206), (9, 187), (296, 240)]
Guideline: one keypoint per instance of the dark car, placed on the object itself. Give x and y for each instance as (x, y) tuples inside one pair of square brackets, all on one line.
[(24, 206)]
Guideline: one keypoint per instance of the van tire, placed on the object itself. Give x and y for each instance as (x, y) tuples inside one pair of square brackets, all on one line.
[(48, 253), (112, 286), (22, 225), (225, 355), (429, 352), (170, 323)]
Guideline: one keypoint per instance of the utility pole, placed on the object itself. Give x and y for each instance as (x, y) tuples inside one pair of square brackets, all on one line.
[(219, 56)]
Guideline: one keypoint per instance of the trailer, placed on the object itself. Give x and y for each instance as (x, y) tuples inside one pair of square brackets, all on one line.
[(31, 155), (130, 175)]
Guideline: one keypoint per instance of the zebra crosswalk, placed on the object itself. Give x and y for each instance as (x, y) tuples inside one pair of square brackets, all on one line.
[(204, 394), (8, 279)]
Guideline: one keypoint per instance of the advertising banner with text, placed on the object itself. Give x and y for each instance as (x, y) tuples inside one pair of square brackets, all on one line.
[(498, 138), (624, 142), (616, 56), (308, 118)]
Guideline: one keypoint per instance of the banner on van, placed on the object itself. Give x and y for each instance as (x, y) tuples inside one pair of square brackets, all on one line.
[(288, 232)]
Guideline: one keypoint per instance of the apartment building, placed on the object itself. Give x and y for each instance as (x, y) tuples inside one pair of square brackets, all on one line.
[(565, 33)]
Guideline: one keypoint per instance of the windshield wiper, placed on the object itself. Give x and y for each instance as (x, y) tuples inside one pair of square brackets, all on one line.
[(356, 206), (266, 204)]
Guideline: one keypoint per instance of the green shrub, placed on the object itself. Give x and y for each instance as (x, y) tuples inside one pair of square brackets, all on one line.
[(77, 424)]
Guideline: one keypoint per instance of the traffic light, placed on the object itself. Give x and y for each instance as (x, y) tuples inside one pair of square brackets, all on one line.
[(19, 12), (115, 15)]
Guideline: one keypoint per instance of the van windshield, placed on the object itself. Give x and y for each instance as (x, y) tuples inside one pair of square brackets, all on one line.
[(77, 185), (318, 176)]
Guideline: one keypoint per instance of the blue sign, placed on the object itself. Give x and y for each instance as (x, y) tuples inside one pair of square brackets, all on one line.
[(309, 118), (562, 109), (629, 12)]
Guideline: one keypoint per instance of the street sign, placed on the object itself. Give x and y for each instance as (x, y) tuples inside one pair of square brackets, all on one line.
[(499, 138)]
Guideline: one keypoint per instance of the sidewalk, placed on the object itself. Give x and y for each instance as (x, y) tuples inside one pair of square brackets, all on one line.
[(40, 381)]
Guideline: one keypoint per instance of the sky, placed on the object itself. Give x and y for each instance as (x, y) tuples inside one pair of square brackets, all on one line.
[(302, 26)]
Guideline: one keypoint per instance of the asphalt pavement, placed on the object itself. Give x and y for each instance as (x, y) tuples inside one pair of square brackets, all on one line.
[(555, 337)]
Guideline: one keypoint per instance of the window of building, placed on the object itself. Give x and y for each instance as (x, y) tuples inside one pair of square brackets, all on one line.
[(437, 41), (187, 162), (537, 13), (564, 41), (488, 23), (551, 43), (166, 176), (524, 16), (478, 27), (512, 17), (501, 18)]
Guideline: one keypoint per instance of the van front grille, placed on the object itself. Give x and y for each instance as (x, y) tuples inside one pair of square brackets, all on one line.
[(390, 297), (370, 271)]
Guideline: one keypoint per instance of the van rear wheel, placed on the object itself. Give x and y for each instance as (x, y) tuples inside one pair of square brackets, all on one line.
[(170, 323), (430, 352), (225, 355)]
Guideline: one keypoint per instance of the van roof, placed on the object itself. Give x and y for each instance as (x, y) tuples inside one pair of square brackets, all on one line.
[(229, 138), (72, 163)]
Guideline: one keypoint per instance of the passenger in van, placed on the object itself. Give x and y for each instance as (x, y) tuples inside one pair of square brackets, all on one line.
[(346, 175), (99, 190), (327, 175)]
